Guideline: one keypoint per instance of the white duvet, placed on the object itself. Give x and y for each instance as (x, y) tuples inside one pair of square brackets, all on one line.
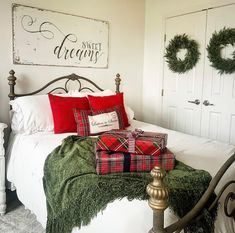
[(26, 155)]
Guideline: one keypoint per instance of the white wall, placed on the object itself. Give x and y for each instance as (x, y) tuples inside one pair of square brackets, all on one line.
[(126, 48), (155, 13)]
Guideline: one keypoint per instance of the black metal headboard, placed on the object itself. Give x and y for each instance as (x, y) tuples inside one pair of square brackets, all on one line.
[(72, 77)]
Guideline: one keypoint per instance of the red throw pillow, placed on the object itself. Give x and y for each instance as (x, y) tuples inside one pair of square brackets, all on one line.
[(105, 102), (83, 122), (62, 111)]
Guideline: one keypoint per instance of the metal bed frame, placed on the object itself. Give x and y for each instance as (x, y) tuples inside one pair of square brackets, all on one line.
[(72, 77), (159, 194), (157, 189)]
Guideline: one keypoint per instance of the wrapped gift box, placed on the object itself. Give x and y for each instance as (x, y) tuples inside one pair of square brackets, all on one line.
[(138, 142), (114, 162)]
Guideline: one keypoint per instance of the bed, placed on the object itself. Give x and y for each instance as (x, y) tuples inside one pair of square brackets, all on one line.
[(26, 154)]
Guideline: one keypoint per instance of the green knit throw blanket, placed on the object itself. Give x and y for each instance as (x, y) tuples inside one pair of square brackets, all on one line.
[(75, 193)]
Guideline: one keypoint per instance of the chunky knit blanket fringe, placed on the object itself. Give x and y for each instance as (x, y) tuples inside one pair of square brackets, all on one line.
[(75, 193)]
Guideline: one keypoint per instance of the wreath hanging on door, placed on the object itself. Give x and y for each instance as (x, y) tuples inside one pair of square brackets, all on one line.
[(191, 58), (218, 41)]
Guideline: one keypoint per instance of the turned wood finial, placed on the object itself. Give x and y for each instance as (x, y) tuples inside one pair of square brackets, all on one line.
[(157, 190), (117, 83)]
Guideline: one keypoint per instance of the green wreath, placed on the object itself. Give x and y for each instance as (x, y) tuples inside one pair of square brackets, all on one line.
[(191, 58), (218, 41)]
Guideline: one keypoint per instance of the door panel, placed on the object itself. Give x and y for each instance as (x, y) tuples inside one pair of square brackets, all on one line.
[(232, 130), (172, 111), (214, 124), (177, 112), (218, 119), (233, 95)]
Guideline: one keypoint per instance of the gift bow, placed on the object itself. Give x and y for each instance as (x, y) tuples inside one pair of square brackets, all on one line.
[(132, 136)]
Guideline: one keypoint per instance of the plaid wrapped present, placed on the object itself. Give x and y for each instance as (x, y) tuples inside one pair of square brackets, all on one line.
[(113, 162), (138, 142)]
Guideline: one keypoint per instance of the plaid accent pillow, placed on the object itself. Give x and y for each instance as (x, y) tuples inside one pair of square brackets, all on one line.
[(83, 120)]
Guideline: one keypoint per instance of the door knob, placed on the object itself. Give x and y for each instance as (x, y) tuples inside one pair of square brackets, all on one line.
[(196, 101), (207, 103)]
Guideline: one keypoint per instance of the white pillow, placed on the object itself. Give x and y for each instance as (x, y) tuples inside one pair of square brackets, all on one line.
[(76, 93), (130, 113), (31, 114), (103, 122)]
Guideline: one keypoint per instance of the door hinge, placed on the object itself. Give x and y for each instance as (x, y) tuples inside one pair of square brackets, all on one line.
[(162, 92), (165, 37)]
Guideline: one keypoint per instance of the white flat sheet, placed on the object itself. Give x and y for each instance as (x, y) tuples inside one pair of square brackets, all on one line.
[(26, 155)]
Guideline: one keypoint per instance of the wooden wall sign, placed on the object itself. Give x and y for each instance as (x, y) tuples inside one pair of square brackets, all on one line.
[(44, 37)]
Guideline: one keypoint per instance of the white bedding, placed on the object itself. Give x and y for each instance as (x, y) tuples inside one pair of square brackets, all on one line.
[(26, 155)]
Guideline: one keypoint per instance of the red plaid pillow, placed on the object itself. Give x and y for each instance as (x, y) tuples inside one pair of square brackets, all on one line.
[(83, 123)]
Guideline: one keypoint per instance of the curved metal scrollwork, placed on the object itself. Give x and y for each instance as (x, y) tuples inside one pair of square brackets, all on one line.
[(230, 197), (195, 213), (58, 89), (73, 77), (220, 194)]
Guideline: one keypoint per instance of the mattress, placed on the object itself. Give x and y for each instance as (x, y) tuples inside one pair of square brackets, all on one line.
[(26, 155)]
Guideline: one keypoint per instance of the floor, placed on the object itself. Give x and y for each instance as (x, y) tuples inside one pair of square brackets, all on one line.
[(18, 219)]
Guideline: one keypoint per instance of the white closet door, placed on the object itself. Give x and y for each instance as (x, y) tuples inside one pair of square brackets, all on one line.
[(177, 113), (218, 120)]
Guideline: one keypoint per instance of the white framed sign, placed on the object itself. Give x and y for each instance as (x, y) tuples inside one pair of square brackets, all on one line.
[(44, 37)]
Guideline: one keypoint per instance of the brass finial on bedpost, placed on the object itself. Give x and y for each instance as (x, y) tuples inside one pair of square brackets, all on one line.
[(158, 200), (117, 83), (12, 82)]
